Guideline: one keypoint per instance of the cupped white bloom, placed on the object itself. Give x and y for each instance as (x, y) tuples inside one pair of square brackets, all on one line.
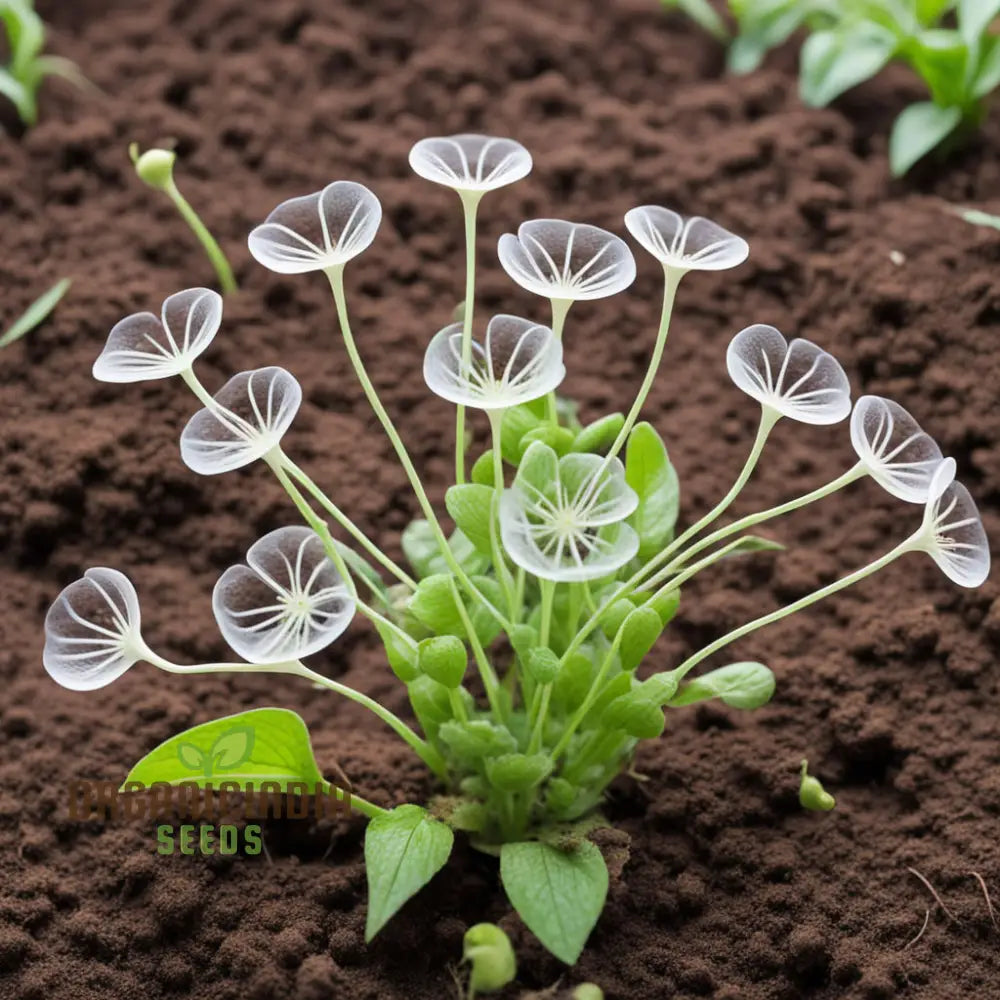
[(317, 231), (894, 450), (953, 533), (92, 631), (567, 260), (470, 162), (685, 243), (287, 602), (143, 346), (563, 518), (797, 379), (247, 419), (517, 361)]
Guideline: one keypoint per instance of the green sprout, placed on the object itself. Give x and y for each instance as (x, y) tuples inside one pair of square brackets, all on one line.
[(491, 956), (947, 43), (36, 313), (517, 626), (28, 66), (812, 794), (155, 167)]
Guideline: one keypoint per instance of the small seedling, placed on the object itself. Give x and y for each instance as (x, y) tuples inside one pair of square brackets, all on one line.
[(947, 43), (491, 956), (36, 313), (812, 794), (155, 167), (28, 66), (562, 568)]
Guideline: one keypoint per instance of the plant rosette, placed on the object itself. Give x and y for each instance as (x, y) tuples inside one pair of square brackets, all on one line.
[(517, 629)]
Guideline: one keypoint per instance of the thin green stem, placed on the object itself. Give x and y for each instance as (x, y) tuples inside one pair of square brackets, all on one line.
[(542, 712), (225, 273), (336, 278), (911, 544), (470, 205), (548, 589), (349, 526), (671, 279), (560, 307), (490, 680)]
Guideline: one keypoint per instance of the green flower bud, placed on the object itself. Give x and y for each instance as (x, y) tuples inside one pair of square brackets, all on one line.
[(443, 657), (475, 786), (155, 167), (523, 638), (573, 682), (400, 655), (812, 794), (489, 950), (635, 715), (431, 703), (518, 772), (458, 313), (561, 794), (612, 619), (543, 665), (588, 991), (482, 469), (600, 434), (640, 630), (666, 605)]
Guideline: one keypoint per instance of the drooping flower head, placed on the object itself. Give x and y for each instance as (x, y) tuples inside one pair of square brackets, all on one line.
[(797, 380), (564, 518), (470, 162), (953, 534), (287, 602), (894, 450), (517, 361), (144, 346), (92, 631), (685, 244), (318, 231), (248, 418), (567, 260)]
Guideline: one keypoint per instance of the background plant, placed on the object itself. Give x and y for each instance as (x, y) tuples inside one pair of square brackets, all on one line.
[(519, 633), (36, 313), (947, 43)]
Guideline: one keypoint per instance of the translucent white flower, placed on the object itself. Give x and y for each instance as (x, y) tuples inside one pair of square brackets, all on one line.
[(685, 244), (953, 534), (567, 260), (470, 162), (318, 231), (894, 450), (288, 602), (248, 418), (798, 379), (564, 518), (518, 361), (92, 631), (143, 346)]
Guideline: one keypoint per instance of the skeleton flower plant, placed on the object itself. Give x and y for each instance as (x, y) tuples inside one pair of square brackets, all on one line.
[(560, 569)]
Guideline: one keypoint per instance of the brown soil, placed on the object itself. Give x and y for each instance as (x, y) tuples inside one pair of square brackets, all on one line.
[(730, 890)]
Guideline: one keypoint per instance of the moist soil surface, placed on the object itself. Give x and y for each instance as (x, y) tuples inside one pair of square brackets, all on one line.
[(727, 888)]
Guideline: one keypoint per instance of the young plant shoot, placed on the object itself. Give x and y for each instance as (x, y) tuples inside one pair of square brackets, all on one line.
[(517, 629)]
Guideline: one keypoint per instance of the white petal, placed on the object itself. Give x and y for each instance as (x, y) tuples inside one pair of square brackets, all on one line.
[(92, 631), (320, 230), (955, 539), (798, 379), (898, 455), (688, 244), (470, 162), (567, 260), (251, 413), (143, 347)]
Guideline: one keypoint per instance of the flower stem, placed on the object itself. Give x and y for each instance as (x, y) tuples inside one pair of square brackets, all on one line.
[(559, 309), (548, 589), (470, 205), (225, 273), (490, 680)]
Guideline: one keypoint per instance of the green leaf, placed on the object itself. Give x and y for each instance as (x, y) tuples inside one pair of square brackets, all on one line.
[(401, 655), (517, 421), (942, 60), (738, 685), (423, 553), (473, 741), (987, 76), (558, 894), (433, 605), (834, 61), (599, 436), (25, 33), (978, 218), (18, 95), (649, 472), (539, 467), (917, 131), (36, 312), (763, 25), (640, 629), (470, 507), (974, 17), (266, 744), (363, 569), (404, 850), (704, 15)]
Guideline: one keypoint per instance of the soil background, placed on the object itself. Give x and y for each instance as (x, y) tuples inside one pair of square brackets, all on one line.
[(729, 890)]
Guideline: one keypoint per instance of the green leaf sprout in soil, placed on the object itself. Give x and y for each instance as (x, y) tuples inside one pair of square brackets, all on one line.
[(36, 313), (155, 167), (948, 44), (28, 65), (491, 957), (812, 794), (521, 626)]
